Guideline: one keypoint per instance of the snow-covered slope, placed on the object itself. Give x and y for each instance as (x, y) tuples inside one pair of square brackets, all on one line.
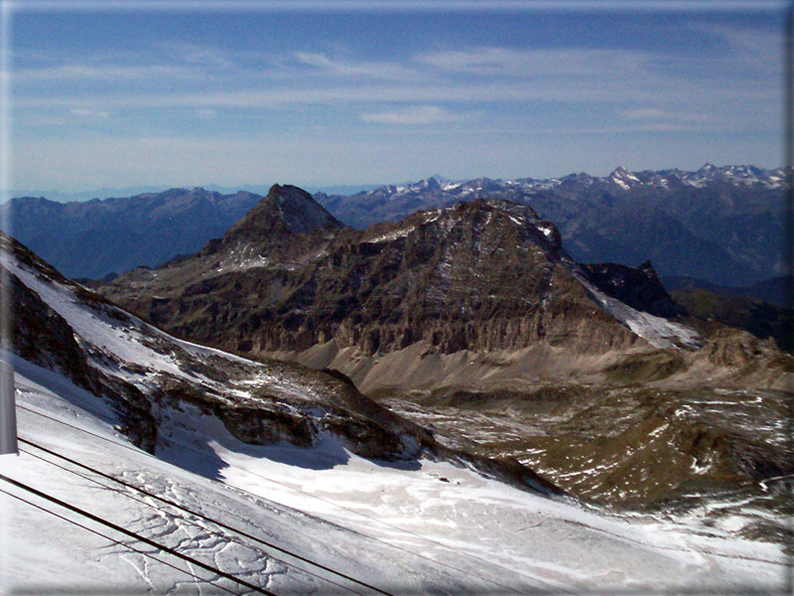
[(282, 518), (85, 510), (658, 331)]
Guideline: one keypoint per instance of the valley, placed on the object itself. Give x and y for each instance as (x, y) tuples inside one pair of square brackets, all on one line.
[(700, 452)]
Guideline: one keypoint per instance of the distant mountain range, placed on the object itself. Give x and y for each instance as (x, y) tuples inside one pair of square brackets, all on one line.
[(722, 225), (772, 290), (98, 237)]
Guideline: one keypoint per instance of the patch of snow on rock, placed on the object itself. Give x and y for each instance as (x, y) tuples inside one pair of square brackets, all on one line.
[(658, 331)]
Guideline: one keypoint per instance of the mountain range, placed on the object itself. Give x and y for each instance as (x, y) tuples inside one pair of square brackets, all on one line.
[(474, 320), (455, 400), (721, 225), (481, 277), (98, 237)]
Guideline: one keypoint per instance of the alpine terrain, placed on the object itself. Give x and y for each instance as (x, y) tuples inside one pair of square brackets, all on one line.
[(717, 225), (150, 464), (475, 321)]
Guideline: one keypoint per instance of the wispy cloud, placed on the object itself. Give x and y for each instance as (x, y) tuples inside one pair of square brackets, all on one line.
[(81, 72), (524, 64), (660, 114), (717, 77), (195, 75), (90, 113), (748, 48), (413, 115), (324, 64)]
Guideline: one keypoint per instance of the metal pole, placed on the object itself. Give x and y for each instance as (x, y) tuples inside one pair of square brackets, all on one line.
[(8, 416), (788, 243)]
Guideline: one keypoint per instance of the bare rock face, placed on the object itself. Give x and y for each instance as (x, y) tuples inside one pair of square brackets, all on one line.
[(483, 276), (256, 426), (40, 335)]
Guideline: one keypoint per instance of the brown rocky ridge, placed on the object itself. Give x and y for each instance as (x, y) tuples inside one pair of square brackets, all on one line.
[(475, 295), (158, 386)]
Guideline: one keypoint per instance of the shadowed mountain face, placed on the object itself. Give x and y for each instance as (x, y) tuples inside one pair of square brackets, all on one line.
[(760, 318), (451, 295), (95, 238)]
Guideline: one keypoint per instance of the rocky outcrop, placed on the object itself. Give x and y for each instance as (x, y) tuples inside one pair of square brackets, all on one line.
[(482, 276)]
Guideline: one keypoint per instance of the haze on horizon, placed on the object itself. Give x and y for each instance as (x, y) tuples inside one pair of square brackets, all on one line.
[(322, 94)]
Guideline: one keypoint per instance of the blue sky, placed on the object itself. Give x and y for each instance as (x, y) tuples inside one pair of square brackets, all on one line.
[(188, 94)]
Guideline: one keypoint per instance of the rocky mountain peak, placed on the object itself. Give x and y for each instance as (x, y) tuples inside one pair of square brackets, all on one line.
[(485, 221), (624, 178), (286, 211), (432, 183)]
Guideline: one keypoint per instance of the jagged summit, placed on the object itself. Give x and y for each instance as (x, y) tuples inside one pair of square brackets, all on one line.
[(476, 216), (269, 229), (624, 178), (285, 208)]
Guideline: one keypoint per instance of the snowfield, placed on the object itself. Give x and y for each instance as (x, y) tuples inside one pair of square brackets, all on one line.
[(435, 528), (85, 511)]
